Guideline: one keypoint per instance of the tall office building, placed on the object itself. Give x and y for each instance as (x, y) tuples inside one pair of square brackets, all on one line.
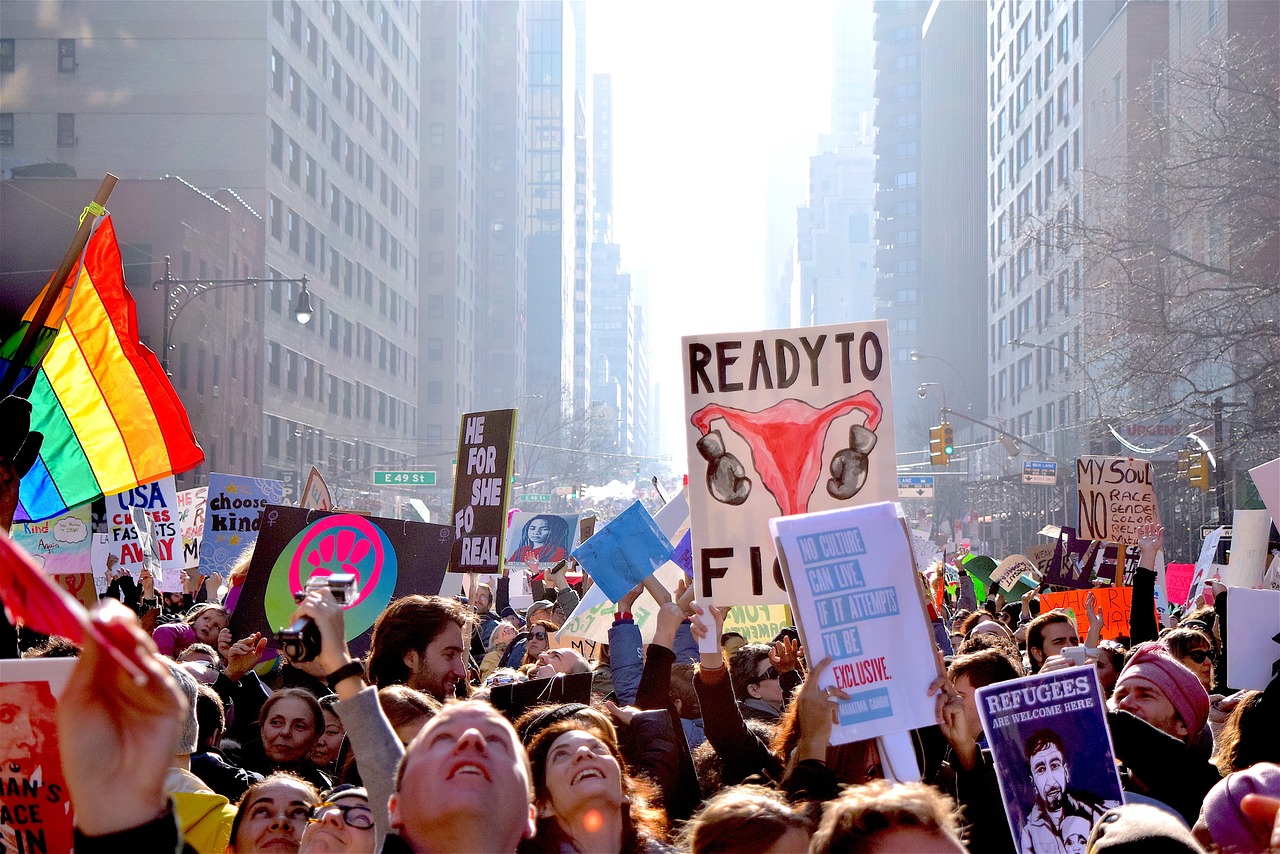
[(472, 344), (324, 149)]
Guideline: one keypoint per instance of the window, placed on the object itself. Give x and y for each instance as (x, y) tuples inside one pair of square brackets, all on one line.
[(277, 73), (7, 54), (277, 144), (904, 179), (1117, 94), (66, 130), (6, 128), (67, 56)]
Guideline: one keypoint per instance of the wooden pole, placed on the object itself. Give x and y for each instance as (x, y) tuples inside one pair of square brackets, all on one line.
[(9, 381)]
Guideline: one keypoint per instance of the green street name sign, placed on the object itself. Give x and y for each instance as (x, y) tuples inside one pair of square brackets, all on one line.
[(536, 498), (404, 478)]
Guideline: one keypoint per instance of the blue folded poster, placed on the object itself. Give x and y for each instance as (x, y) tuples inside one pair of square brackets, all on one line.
[(1052, 751), (624, 552)]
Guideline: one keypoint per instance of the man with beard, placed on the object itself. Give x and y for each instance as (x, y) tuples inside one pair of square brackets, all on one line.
[(1047, 823)]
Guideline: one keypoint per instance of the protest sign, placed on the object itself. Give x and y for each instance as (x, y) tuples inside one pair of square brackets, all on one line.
[(589, 623), (758, 623), (537, 543), (1116, 496), (191, 510), (1177, 581), (315, 495), (673, 517), (232, 518), (924, 549), (624, 552), (1115, 603), (855, 597), (1206, 566), (157, 506), (1011, 570), (1052, 752), (769, 415), (1250, 532), (682, 555), (486, 441), (35, 805), (58, 545), (81, 585), (1253, 624), (1042, 557), (1267, 478), (389, 557), (99, 551)]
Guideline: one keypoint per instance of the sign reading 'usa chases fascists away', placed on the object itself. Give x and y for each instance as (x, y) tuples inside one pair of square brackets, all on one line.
[(780, 423), (480, 486)]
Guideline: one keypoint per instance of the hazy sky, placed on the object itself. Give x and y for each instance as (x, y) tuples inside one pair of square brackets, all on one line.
[(714, 102)]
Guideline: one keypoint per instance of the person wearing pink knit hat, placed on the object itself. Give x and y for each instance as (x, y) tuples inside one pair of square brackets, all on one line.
[(1224, 824), (1157, 688)]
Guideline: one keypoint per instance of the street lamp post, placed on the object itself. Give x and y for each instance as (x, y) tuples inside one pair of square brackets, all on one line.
[(916, 356), (180, 293)]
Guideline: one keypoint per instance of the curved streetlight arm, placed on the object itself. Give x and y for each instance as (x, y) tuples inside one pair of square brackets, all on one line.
[(998, 430)]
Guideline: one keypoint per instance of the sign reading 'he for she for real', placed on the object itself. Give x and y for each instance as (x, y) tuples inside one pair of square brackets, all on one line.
[(485, 443), (780, 423)]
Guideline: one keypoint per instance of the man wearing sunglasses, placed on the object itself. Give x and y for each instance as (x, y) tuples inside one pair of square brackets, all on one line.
[(341, 822)]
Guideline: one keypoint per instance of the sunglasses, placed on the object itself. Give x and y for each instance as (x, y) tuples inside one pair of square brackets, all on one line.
[(771, 673), (538, 635), (1200, 655), (356, 816)]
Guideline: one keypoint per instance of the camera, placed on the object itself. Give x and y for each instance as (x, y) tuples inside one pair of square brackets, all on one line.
[(1079, 655), (300, 642)]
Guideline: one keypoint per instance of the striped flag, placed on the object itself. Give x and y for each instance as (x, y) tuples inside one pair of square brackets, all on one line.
[(110, 418)]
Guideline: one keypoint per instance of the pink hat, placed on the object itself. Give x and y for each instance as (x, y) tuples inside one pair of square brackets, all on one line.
[(1151, 661), (1230, 829)]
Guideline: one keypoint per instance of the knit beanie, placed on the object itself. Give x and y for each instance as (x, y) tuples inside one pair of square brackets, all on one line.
[(1230, 829), (1141, 829), (1151, 661)]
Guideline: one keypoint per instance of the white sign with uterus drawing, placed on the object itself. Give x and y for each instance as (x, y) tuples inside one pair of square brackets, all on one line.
[(779, 423)]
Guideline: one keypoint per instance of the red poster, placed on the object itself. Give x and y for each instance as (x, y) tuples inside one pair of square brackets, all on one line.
[(35, 808)]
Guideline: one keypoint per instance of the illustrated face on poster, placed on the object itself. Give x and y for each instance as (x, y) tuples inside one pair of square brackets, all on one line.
[(34, 800), (539, 542), (780, 423)]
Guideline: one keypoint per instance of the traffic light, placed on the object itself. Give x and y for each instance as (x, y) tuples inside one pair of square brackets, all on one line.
[(938, 453), (1199, 473), (948, 440), (1184, 464)]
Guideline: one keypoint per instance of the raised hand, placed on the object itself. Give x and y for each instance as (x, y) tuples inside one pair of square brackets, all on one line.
[(242, 655), (784, 655)]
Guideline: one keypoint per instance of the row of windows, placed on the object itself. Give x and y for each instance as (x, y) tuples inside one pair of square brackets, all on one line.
[(301, 442), (296, 373), (65, 56), (65, 133)]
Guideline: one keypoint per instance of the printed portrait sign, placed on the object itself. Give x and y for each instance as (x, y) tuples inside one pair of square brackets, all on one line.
[(58, 545), (1116, 496), (191, 510), (35, 806), (780, 423), (486, 442), (232, 518), (855, 598), (539, 541), (1052, 752), (389, 557)]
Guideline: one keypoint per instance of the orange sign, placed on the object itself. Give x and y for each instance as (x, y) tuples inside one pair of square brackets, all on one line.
[(1114, 601)]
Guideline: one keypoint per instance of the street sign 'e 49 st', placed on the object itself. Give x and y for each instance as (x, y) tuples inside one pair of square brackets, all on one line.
[(404, 478)]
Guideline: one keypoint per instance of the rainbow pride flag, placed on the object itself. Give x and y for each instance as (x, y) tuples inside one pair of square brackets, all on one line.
[(111, 419)]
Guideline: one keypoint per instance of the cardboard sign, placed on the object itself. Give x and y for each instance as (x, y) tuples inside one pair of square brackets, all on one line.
[(152, 530), (1116, 496), (81, 585), (1253, 624), (389, 557), (1078, 563), (35, 806), (673, 516), (58, 545), (1115, 602), (855, 598), (1011, 570), (1206, 568), (538, 542), (315, 495), (232, 518), (588, 625), (758, 623), (682, 554), (780, 423), (1267, 478), (486, 442), (1250, 531), (191, 510), (1177, 581), (624, 552), (1052, 752)]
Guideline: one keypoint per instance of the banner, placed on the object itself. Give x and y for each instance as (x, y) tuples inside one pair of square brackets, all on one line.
[(1116, 496), (856, 598), (157, 506), (1052, 752), (486, 442), (58, 545), (1253, 624), (191, 510), (624, 552), (231, 520), (35, 806), (389, 557), (1115, 602), (538, 542), (780, 423), (315, 495)]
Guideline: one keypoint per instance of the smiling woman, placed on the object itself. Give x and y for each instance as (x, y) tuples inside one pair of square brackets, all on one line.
[(272, 814)]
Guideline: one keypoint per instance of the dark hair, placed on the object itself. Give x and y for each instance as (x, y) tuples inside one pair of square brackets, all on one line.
[(559, 527), (211, 715), (984, 667), (641, 822), (1042, 738), (1035, 633), (742, 667), (971, 620), (409, 623), (54, 646), (201, 648), (1115, 651), (1249, 736), (682, 689), (1181, 641), (748, 819), (853, 820), (313, 705), (252, 792)]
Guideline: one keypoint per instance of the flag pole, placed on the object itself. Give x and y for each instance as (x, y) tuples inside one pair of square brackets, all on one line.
[(51, 293)]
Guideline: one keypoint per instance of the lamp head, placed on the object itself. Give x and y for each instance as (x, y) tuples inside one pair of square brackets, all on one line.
[(302, 309), (922, 392)]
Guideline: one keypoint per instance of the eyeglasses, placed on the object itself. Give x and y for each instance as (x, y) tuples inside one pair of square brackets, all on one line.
[(541, 636), (771, 673), (1199, 655), (356, 816)]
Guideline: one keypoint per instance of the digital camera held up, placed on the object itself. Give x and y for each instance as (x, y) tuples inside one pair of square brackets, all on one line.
[(300, 642)]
